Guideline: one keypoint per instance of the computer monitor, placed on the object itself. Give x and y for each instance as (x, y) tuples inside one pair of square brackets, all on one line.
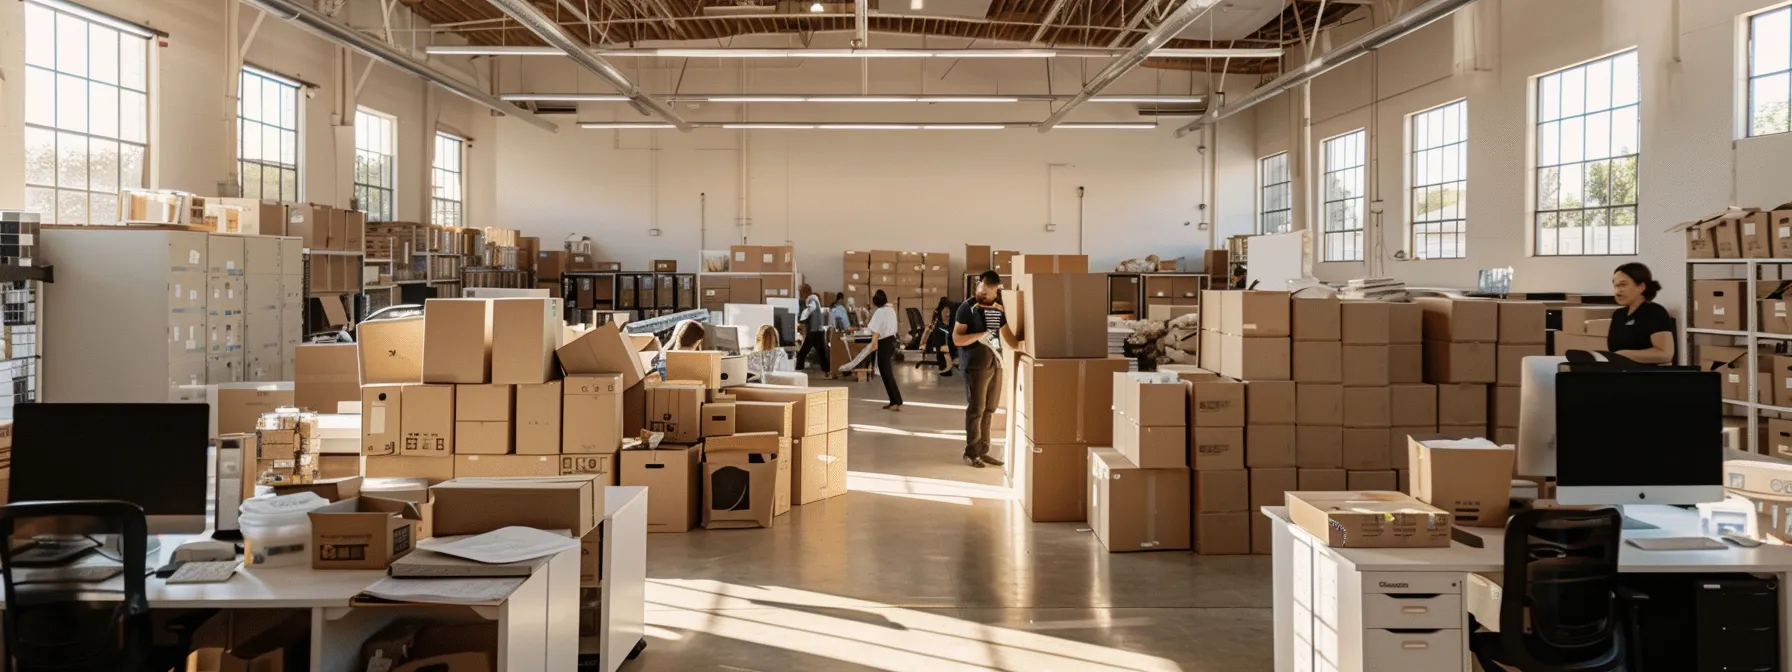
[(1537, 415), (152, 455), (1639, 436)]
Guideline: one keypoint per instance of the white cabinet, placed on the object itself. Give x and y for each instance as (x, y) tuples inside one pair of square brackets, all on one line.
[(1349, 621)]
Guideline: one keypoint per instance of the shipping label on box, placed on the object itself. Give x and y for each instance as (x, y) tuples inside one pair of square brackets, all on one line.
[(382, 408), (427, 420)]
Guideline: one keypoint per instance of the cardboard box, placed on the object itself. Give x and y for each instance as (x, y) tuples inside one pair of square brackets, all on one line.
[(813, 473), (1269, 446), (1412, 405), (1319, 404), (1216, 403), (1473, 484), (525, 334), (1369, 519), (508, 466), (477, 506), (1222, 491), (809, 415), (1068, 401), (1719, 304), (484, 403), (1504, 407), (391, 351), (1406, 363), (674, 484), (1510, 362), (1380, 479), (1459, 405), (382, 413), (1003, 261), (1574, 318), (1314, 319), (1063, 316), (324, 375), (1268, 486), (1775, 315), (1039, 264), (743, 489), (1223, 533), (674, 408), (1323, 480), (1151, 447), (745, 259), (746, 290), (1397, 441), (1252, 358), (457, 340), (1149, 400), (1217, 448), (1136, 509), (1460, 320), (549, 264), (427, 420), (718, 419), (362, 533), (1522, 322), (838, 461), (538, 418), (1270, 402), (236, 408), (1714, 236), (591, 419), (1366, 448), (764, 416), (1319, 447), (1456, 362), (1248, 313), (977, 259), (702, 366), (1779, 438), (482, 437), (1365, 365), (1367, 407), (1319, 362), (340, 466), (1406, 324), (605, 350), (432, 469), (1366, 322)]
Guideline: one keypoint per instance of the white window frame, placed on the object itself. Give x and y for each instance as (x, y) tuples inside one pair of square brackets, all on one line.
[(1275, 199), (376, 164), (1437, 148), (1342, 212), (448, 180), (1773, 78), (258, 119), (61, 84), (1556, 126)]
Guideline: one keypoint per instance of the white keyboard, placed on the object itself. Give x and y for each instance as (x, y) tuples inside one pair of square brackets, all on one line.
[(1677, 544), (205, 572)]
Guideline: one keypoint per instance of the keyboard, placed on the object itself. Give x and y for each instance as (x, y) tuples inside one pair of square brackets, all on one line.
[(205, 572), (77, 574), (1677, 544)]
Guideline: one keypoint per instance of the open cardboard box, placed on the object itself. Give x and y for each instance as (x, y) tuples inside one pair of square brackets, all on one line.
[(1373, 519), (363, 533)]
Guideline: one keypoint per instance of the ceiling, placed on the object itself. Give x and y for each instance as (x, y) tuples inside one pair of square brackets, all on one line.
[(1091, 23)]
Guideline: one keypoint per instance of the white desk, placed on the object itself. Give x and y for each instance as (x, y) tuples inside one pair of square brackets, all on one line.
[(1338, 609)]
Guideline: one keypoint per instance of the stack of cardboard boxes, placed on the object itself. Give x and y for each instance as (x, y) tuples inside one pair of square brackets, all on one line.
[(1221, 502), (1585, 327), (1139, 490), (814, 421), (908, 279), (1462, 359), (1521, 335)]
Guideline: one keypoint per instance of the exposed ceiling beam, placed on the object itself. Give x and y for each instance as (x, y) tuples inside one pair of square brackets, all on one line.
[(1051, 14), (1133, 25), (1144, 99), (316, 23), (735, 52), (869, 125), (550, 32), (1159, 35), (861, 24)]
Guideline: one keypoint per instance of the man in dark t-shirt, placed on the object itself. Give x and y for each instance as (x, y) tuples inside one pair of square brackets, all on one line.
[(980, 330)]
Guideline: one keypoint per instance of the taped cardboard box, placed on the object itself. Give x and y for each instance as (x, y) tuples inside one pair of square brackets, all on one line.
[(457, 340), (1223, 533), (236, 406), (1454, 320), (591, 420), (1222, 491), (1062, 315), (1269, 446), (1522, 322), (1068, 400), (382, 413), (1471, 479), (1151, 399), (1367, 407), (718, 419), (1369, 519), (363, 533), (1318, 362), (702, 366), (838, 399), (1406, 324), (1714, 236), (809, 414), (431, 469), (525, 333), (1217, 448), (1412, 405), (1366, 448), (1319, 404), (391, 351), (1574, 318), (1216, 403), (1270, 402), (814, 475), (426, 416), (480, 505), (1315, 319), (326, 374), (1151, 447), (674, 484), (1054, 480), (675, 409), (1319, 447), (1247, 313), (1135, 509), (1406, 363), (763, 416), (1459, 405), (1719, 304), (1454, 362), (1366, 322), (538, 418)]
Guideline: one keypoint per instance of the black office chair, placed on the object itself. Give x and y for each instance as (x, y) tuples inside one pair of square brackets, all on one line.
[(57, 626), (1563, 610), (917, 329)]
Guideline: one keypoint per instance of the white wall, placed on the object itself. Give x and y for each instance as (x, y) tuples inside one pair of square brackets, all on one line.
[(829, 191), (1691, 161), (189, 114)]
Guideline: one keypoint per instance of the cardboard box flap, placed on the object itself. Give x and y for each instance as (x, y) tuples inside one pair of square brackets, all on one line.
[(390, 507), (1729, 214), (605, 350)]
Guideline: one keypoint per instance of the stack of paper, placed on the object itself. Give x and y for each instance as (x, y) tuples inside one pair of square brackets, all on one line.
[(1375, 289)]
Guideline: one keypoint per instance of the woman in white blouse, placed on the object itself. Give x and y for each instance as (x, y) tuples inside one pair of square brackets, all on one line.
[(883, 327)]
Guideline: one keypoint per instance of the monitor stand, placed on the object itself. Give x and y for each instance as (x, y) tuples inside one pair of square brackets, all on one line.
[(152, 549), (1634, 524)]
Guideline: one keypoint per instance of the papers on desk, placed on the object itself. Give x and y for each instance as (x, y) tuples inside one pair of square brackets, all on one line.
[(444, 591), (506, 545)]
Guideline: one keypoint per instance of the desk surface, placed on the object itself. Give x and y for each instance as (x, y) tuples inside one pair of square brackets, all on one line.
[(1673, 521)]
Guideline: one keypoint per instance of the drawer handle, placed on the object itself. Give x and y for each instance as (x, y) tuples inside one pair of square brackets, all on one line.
[(1415, 645), (1415, 610)]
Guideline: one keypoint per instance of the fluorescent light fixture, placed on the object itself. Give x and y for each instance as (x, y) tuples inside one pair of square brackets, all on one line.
[(969, 99), (868, 127), (565, 97), (730, 52), (756, 99), (1217, 53), (854, 98), (97, 17), (963, 127), (767, 126), (817, 8), (1110, 125), (492, 50), (1158, 100), (624, 125)]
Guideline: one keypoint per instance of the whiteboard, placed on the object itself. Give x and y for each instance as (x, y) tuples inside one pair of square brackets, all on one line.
[(1272, 261)]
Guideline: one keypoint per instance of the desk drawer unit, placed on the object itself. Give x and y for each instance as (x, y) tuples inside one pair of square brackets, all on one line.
[(1412, 612), (1350, 621), (1410, 651)]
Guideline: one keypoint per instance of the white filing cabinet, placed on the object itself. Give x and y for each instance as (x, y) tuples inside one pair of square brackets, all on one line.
[(1350, 621)]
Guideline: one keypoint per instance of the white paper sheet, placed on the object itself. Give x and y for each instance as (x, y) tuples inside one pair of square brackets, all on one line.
[(510, 544), (444, 591)]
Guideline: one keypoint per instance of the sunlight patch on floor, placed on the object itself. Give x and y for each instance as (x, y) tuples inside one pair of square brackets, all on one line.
[(924, 488)]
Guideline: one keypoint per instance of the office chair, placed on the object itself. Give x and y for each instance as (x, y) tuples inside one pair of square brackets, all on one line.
[(917, 329), (1563, 610), (56, 626)]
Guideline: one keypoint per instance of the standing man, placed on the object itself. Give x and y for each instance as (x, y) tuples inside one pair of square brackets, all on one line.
[(814, 319), (980, 331)]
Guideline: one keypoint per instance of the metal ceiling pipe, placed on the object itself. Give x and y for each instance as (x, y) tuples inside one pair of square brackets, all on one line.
[(314, 22), (1160, 35), (550, 32), (1051, 14), (1396, 28)]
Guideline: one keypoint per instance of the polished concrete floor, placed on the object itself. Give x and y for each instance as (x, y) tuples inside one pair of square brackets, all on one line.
[(927, 564)]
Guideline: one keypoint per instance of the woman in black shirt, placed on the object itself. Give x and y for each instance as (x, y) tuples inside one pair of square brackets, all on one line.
[(1641, 331)]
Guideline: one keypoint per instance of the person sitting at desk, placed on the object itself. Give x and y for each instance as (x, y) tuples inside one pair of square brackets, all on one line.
[(1641, 330)]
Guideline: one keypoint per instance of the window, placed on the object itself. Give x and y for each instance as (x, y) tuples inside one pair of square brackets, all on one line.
[(375, 166), (1275, 199), (445, 204), (1344, 197), (1770, 72), (267, 123), (1587, 129), (86, 112), (1439, 173)]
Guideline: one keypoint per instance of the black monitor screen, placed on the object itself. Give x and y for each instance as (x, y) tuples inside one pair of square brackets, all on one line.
[(1639, 428), (152, 455)]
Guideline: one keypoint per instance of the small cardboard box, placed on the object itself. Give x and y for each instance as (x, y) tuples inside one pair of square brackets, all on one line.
[(391, 351), (1319, 361), (1217, 448), (1779, 438), (1406, 363), (1367, 407), (1246, 358), (1054, 480), (1151, 400), (606, 350), (1574, 319), (538, 418), (1366, 448), (743, 489), (591, 415), (702, 366), (484, 403), (483, 437), (1459, 362), (362, 533), (1319, 447), (525, 334), (745, 259), (1249, 313), (1367, 322), (1269, 446), (674, 484), (382, 414), (457, 340), (1151, 447), (427, 419), (1503, 407), (1222, 491), (1406, 324), (763, 416), (977, 259), (1522, 322), (1719, 304), (810, 412), (1315, 319), (674, 408), (718, 419), (1780, 225), (1323, 480), (1460, 405), (325, 374), (1270, 402), (1136, 509), (1460, 320), (1268, 486), (1473, 484), (1067, 401), (1369, 519), (480, 505), (431, 469), (1413, 405), (1216, 403), (1223, 533), (1713, 236), (1319, 404)]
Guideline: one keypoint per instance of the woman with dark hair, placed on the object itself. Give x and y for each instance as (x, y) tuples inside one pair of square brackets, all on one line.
[(939, 335), (884, 328), (1641, 331)]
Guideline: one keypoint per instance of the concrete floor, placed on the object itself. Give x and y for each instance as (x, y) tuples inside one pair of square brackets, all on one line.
[(927, 564)]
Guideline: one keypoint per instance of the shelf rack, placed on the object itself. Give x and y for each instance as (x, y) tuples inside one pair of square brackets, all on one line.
[(1751, 270)]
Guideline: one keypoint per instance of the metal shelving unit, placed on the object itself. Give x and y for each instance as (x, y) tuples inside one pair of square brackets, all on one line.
[(1751, 338)]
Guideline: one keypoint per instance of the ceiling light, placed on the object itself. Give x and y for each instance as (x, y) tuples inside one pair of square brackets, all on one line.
[(731, 52), (869, 127), (624, 125), (963, 127), (969, 99), (853, 98), (565, 97), (1109, 125), (817, 8), (756, 99), (1158, 100), (767, 125)]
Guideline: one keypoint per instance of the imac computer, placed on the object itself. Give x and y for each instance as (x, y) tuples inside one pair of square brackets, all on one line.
[(1638, 436), (1537, 415), (151, 455)]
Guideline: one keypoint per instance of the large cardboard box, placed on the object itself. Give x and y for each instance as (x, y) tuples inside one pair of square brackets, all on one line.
[(510, 466), (1510, 362), (1268, 486), (1315, 319), (427, 419), (1413, 405), (391, 351), (1367, 407), (324, 375), (1319, 447), (1270, 402), (1151, 399), (1473, 484), (1459, 405), (1151, 447), (457, 340), (1217, 448), (763, 416), (480, 505), (818, 467), (591, 413), (1040, 264), (809, 415), (675, 408), (1366, 448), (482, 437), (1719, 304), (525, 334), (1319, 404), (1248, 313), (1223, 533), (1063, 315), (1367, 322), (1320, 362), (1136, 509), (1068, 400), (606, 350), (1522, 322), (1323, 480), (1222, 491), (363, 533), (743, 488), (1365, 365), (236, 408), (701, 366), (1406, 363), (1503, 407), (1406, 324), (1252, 358), (1269, 446), (1460, 362), (1460, 320), (674, 484), (1054, 480), (538, 418), (1216, 403), (382, 413), (1369, 519)]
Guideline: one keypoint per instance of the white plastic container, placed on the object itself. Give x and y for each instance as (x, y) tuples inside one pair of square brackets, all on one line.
[(277, 529)]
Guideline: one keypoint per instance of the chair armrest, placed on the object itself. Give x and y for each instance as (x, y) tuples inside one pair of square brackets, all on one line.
[(1632, 602)]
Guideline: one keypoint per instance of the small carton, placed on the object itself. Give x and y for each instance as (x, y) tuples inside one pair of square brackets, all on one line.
[(391, 351), (1780, 228), (703, 366), (1250, 312), (1367, 322), (1151, 447), (1319, 361), (484, 403), (1470, 478), (606, 350), (1216, 403), (1412, 405), (674, 484), (1217, 448), (1269, 446), (1574, 319), (1137, 509), (591, 414), (427, 420), (1373, 519), (1319, 447), (1222, 491), (1268, 486), (809, 415), (382, 413), (1323, 480), (1151, 399), (1406, 363), (1719, 304), (1510, 361), (977, 259), (718, 419), (763, 416), (1245, 358), (362, 533), (745, 489), (1460, 405), (525, 334), (1714, 236), (1319, 404), (1314, 319), (673, 408), (324, 374), (480, 505), (457, 340), (1270, 402), (538, 418), (1055, 481), (1367, 407), (1366, 448), (1406, 324), (1456, 320), (1460, 362), (482, 437), (1522, 322)]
